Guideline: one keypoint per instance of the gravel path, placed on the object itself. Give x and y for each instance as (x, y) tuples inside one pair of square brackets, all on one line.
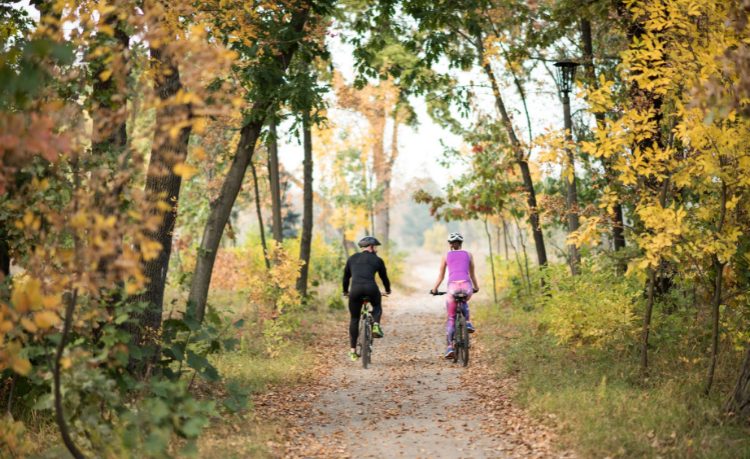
[(411, 402)]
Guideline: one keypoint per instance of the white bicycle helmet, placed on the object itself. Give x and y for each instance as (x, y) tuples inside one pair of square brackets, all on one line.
[(455, 237)]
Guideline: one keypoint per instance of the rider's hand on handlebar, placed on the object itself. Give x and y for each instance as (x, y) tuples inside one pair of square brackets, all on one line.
[(386, 293), (475, 289)]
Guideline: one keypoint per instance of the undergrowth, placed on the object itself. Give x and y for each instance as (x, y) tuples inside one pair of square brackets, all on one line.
[(589, 383)]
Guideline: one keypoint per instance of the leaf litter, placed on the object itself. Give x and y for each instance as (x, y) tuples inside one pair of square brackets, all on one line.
[(409, 403)]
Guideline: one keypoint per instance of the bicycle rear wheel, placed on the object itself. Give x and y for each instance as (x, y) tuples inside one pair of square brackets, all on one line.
[(365, 336), (462, 340)]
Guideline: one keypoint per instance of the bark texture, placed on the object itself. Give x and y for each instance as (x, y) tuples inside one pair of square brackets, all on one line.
[(571, 190), (163, 183), (274, 182), (307, 213), (259, 213)]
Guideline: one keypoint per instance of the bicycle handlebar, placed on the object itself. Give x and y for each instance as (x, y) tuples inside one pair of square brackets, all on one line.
[(443, 293)]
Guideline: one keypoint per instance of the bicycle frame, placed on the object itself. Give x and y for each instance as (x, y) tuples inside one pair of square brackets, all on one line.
[(460, 338)]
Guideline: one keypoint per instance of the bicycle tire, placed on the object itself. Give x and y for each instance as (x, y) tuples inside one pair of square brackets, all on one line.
[(366, 343), (462, 350), (456, 341), (361, 337)]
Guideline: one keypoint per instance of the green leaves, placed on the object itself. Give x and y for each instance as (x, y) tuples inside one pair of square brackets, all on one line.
[(22, 78)]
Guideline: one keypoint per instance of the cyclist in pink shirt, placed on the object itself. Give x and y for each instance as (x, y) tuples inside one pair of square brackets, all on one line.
[(461, 278)]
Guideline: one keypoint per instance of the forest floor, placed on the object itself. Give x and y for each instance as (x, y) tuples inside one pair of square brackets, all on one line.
[(410, 402)]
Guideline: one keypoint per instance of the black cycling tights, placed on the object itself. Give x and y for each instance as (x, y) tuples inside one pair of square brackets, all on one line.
[(356, 294)]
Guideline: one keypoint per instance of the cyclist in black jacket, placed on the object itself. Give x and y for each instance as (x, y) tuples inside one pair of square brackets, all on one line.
[(360, 269)]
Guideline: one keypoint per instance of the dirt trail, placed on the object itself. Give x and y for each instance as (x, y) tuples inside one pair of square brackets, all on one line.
[(411, 402)]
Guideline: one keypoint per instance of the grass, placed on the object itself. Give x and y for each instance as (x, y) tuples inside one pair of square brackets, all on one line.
[(250, 367), (599, 401)]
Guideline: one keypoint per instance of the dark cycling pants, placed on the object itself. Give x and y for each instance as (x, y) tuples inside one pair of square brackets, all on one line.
[(356, 293)]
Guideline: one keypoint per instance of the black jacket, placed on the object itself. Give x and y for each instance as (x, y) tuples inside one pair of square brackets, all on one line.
[(361, 268)]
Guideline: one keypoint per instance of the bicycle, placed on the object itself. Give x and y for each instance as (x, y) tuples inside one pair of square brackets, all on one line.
[(460, 340)]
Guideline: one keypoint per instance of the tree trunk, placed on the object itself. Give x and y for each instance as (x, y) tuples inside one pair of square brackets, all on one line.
[(505, 239), (379, 165), (4, 256), (716, 301), (221, 207), (162, 183), (109, 115), (525, 255), (218, 217), (275, 183), (739, 402), (618, 229), (523, 164), (344, 244), (618, 235), (109, 138), (492, 261), (520, 266), (387, 178), (715, 316), (571, 192), (259, 212), (307, 214), (647, 319)]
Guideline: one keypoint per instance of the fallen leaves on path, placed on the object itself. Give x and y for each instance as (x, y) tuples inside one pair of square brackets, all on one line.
[(409, 403)]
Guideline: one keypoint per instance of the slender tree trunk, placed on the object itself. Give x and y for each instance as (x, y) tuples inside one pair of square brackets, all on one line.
[(259, 213), (492, 261), (70, 299), (4, 256), (651, 295), (738, 403), (647, 319), (716, 301), (344, 244), (505, 239), (109, 138), (525, 255), (307, 213), (275, 183), (162, 183), (387, 178), (380, 208), (519, 264), (221, 207), (62, 424), (618, 235), (523, 164), (108, 113), (715, 316), (571, 192)]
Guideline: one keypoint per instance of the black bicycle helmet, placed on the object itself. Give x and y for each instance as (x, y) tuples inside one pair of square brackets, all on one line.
[(367, 241)]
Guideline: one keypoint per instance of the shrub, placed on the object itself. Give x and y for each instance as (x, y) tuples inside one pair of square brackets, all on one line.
[(595, 307)]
